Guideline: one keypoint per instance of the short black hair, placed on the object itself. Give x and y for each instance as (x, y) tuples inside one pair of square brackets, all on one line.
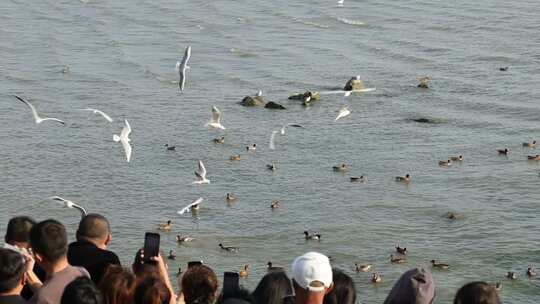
[(12, 269), (18, 229), (93, 226), (49, 239), (82, 291)]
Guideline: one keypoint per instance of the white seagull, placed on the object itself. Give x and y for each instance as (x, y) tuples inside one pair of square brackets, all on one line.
[(200, 174), (69, 204), (215, 122), (37, 118), (96, 111), (272, 146), (340, 2), (181, 67), (259, 94), (192, 206), (290, 125), (343, 112), (124, 139)]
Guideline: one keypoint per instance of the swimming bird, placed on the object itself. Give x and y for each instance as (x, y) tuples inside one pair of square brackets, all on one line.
[(274, 204), (362, 268), (191, 207), (533, 157), (245, 272), (530, 144), (404, 179), (503, 69), (235, 157), (445, 163), (531, 272), (38, 119), (340, 168), (181, 67), (172, 255), (229, 248), (503, 151), (184, 239), (423, 82), (343, 112), (360, 178), (312, 236), (66, 69), (272, 137), (170, 148), (453, 215), (230, 197), (394, 259), (402, 250), (166, 227), (124, 140), (511, 275), (456, 158), (340, 2), (272, 167), (96, 111), (290, 125), (251, 148), (215, 121), (200, 174), (271, 268), (376, 278), (69, 204), (220, 140), (439, 265)]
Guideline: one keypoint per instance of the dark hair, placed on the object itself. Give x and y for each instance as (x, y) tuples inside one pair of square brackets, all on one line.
[(18, 229), (117, 285), (274, 288), (238, 296), (152, 290), (11, 269), (477, 293), (199, 285), (343, 291), (49, 239), (141, 267), (93, 226), (81, 291)]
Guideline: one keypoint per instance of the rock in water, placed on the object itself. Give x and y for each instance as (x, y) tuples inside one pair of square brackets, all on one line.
[(273, 105), (256, 101)]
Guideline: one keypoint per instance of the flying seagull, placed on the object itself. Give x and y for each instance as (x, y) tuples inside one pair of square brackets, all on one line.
[(343, 112), (124, 139), (215, 122), (192, 206), (96, 111), (200, 174), (69, 204), (37, 118), (181, 67)]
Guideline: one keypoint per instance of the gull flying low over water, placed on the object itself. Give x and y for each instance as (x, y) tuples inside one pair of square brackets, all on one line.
[(343, 112), (96, 111), (192, 206), (37, 118), (215, 122), (290, 125), (124, 140), (181, 67), (200, 174), (69, 204)]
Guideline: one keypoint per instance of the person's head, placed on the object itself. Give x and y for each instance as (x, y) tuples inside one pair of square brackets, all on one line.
[(477, 293), (117, 285), (312, 277), (81, 291), (199, 285), (48, 239), (143, 267), (274, 288), (343, 291), (95, 228), (12, 272), (238, 296), (18, 231), (151, 290), (414, 286)]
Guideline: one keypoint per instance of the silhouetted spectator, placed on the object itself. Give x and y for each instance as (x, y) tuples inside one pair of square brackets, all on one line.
[(199, 285), (343, 291), (274, 288), (117, 285), (477, 293), (312, 278), (152, 290), (415, 286), (81, 291), (12, 276)]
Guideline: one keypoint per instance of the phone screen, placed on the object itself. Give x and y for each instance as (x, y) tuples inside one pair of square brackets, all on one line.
[(151, 245), (231, 283), (194, 263)]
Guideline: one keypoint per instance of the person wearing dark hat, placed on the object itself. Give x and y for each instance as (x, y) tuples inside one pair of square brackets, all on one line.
[(415, 286)]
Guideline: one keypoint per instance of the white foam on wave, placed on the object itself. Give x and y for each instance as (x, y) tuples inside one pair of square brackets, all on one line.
[(351, 22)]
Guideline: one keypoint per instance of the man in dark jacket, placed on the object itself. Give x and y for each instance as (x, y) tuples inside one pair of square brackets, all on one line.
[(90, 249), (12, 276)]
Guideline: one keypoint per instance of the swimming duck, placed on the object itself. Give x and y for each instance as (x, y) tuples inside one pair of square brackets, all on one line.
[(244, 273), (172, 255), (220, 140), (453, 215), (272, 167), (456, 158), (394, 259), (170, 148), (313, 236), (511, 275), (445, 163), (183, 239), (271, 268), (439, 265), (423, 82), (376, 278), (404, 179), (229, 249), (340, 168), (362, 268), (503, 69), (274, 204), (361, 178), (166, 226), (235, 157), (531, 272), (530, 145), (66, 69), (402, 250), (533, 157), (503, 151), (251, 148), (230, 197)]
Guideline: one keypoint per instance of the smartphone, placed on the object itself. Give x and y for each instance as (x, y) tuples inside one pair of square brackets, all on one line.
[(231, 283), (194, 263), (151, 245)]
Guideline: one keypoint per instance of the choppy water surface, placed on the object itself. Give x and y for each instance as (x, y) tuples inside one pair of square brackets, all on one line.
[(122, 56)]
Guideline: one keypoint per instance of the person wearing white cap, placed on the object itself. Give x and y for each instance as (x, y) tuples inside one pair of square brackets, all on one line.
[(312, 278)]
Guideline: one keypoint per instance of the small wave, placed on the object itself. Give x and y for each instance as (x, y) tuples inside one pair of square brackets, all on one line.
[(310, 23), (243, 53), (350, 22)]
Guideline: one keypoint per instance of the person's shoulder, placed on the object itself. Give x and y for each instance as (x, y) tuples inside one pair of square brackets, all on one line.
[(110, 256), (12, 300)]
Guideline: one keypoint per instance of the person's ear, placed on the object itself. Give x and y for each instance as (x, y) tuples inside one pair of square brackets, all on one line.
[(329, 289), (108, 239)]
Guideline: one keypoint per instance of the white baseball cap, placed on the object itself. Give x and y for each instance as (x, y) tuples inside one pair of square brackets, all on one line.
[(312, 267)]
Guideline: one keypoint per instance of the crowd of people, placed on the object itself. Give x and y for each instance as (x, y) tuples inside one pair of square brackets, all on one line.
[(37, 265)]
